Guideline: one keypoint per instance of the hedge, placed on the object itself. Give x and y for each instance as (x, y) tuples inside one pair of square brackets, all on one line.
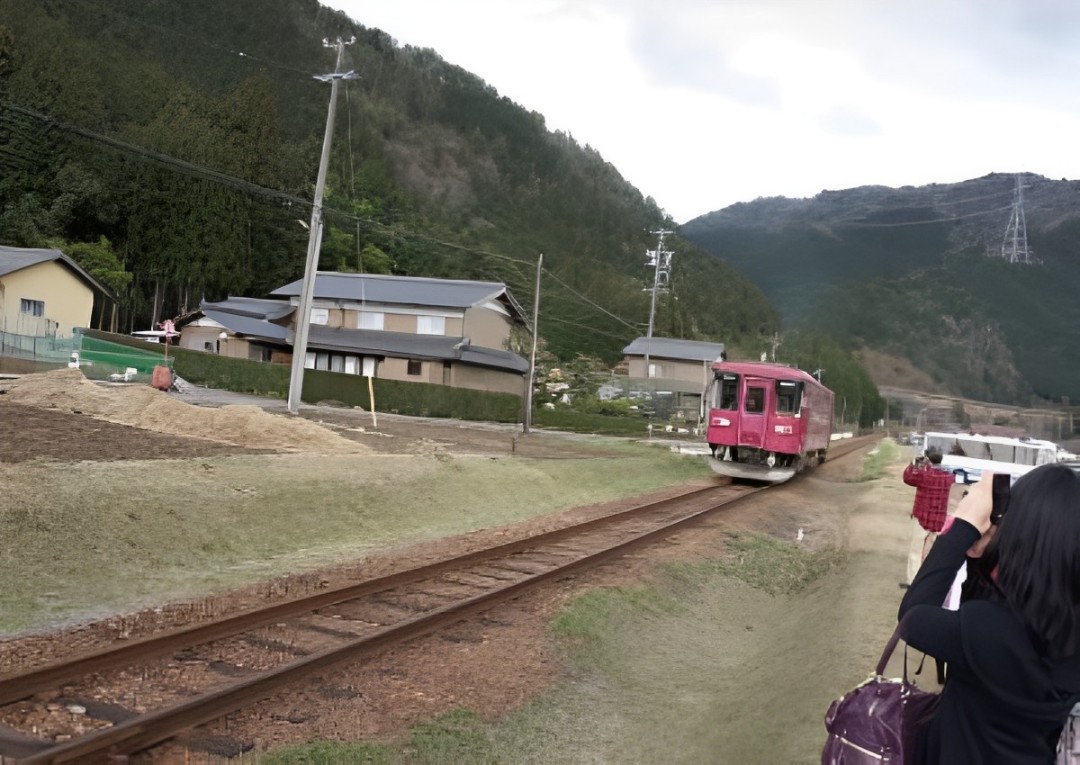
[(266, 379)]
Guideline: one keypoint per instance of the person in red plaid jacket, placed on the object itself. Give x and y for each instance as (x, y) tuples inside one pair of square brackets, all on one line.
[(932, 487)]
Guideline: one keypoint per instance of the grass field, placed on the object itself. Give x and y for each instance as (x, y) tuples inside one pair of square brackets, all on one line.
[(92, 538)]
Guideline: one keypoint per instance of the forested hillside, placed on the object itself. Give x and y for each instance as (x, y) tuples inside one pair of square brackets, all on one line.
[(172, 148), (924, 275)]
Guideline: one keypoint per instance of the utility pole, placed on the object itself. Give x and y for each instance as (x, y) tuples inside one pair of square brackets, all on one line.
[(661, 260), (532, 357), (307, 290)]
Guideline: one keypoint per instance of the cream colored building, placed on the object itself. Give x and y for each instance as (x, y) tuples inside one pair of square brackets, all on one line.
[(679, 369), (441, 331), (44, 293)]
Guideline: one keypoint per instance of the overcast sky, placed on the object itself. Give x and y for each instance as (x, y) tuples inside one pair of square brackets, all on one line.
[(704, 103)]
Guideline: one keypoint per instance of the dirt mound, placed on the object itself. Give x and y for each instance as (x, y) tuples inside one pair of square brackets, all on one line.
[(144, 407)]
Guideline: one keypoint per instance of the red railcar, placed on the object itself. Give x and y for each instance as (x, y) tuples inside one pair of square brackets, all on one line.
[(766, 422)]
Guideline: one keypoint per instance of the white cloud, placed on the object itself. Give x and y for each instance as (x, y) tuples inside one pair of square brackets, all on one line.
[(703, 103)]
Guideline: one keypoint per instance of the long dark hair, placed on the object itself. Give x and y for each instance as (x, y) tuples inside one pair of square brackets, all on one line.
[(1037, 553)]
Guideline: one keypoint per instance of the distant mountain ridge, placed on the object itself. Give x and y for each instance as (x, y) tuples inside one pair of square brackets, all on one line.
[(917, 273)]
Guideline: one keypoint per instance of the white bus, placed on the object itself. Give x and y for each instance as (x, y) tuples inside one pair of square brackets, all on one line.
[(967, 456)]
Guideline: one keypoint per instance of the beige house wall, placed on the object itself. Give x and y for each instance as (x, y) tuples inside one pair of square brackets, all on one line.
[(458, 375), (398, 369), (195, 338), (483, 326), (698, 372), (397, 321), (492, 380), (486, 327), (69, 302)]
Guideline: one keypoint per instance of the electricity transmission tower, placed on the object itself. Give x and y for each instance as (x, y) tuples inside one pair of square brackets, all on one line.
[(1014, 247)]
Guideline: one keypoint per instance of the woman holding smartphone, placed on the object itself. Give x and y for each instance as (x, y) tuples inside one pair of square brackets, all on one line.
[(1013, 645)]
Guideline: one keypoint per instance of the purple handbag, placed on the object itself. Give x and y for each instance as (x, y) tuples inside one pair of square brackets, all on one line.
[(878, 721)]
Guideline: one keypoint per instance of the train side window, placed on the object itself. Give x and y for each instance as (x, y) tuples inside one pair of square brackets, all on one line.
[(727, 392), (755, 400), (788, 397)]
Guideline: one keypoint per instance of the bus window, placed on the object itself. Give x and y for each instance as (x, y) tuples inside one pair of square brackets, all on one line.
[(727, 392), (755, 400), (788, 397)]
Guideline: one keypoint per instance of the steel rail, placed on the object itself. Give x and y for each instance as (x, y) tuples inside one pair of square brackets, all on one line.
[(144, 731), (22, 685), (141, 732)]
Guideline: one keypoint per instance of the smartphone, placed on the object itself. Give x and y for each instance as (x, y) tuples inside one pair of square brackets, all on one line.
[(1002, 483)]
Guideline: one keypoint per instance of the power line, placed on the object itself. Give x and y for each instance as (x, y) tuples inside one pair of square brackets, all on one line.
[(198, 171), (164, 160), (592, 328), (926, 222), (590, 302)]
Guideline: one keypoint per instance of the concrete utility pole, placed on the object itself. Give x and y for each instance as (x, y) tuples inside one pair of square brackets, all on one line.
[(532, 357), (307, 290), (661, 259)]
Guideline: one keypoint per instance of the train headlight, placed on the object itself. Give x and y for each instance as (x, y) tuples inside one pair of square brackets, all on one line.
[(723, 422), (771, 461)]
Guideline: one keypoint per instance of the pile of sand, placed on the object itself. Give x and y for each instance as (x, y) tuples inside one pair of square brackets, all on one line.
[(142, 406)]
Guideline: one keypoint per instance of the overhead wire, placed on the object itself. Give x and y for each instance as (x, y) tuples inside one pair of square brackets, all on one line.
[(198, 171), (928, 221)]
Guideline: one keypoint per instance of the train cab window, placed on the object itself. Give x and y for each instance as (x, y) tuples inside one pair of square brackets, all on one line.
[(755, 400), (727, 392), (788, 396)]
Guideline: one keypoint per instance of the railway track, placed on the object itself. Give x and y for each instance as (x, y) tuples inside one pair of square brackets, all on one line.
[(137, 694)]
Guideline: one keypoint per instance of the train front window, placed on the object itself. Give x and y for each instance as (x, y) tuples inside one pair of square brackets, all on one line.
[(788, 397), (755, 400), (727, 392)]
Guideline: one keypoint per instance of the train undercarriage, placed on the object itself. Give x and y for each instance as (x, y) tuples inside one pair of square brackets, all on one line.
[(754, 464)]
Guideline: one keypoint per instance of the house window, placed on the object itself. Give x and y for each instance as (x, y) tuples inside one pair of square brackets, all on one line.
[(337, 363), (415, 367), (370, 320), (32, 307), (309, 360), (320, 315), (430, 325), (322, 361), (352, 365), (654, 370), (369, 367)]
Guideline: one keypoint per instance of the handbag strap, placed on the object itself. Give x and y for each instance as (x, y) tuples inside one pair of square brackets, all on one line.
[(888, 652)]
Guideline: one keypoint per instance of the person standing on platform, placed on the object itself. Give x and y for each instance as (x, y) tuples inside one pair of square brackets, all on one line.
[(931, 506)]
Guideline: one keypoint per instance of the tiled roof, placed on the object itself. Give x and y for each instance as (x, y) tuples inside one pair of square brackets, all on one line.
[(14, 259), (405, 290), (673, 348)]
